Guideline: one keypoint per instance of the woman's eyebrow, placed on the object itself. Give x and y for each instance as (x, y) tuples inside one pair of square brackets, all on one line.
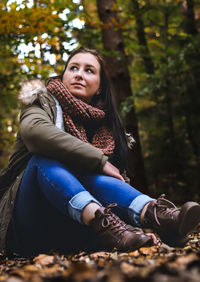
[(90, 66), (74, 64), (87, 65)]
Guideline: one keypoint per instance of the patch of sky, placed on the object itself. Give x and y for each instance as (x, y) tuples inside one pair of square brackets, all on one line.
[(65, 45), (20, 4), (76, 1), (77, 24), (44, 35), (65, 57), (24, 49), (25, 68), (72, 45), (37, 50), (64, 14), (50, 57)]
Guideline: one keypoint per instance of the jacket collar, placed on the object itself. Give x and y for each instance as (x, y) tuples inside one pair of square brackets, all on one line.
[(30, 90)]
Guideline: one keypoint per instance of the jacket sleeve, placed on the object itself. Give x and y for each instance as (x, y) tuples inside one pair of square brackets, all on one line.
[(41, 136)]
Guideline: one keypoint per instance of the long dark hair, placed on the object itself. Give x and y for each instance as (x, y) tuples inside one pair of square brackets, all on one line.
[(120, 156)]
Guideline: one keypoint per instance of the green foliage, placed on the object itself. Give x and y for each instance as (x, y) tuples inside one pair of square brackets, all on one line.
[(167, 101), (28, 34), (166, 97)]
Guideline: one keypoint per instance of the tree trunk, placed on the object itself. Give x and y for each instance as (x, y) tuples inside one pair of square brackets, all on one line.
[(167, 83), (117, 68), (190, 23), (144, 49), (192, 118)]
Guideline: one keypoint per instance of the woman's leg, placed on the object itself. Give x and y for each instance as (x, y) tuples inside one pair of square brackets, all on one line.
[(112, 190), (48, 209), (161, 215)]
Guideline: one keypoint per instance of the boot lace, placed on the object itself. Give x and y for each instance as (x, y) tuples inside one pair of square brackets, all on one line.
[(165, 207), (112, 221)]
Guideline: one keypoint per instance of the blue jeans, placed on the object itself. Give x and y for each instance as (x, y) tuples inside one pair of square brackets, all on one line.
[(49, 204)]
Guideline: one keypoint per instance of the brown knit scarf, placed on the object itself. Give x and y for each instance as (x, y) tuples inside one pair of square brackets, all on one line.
[(76, 113)]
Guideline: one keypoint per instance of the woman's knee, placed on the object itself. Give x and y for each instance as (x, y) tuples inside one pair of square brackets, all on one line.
[(52, 170), (110, 189)]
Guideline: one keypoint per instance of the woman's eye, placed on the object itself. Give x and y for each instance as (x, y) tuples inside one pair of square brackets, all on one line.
[(89, 70), (73, 68)]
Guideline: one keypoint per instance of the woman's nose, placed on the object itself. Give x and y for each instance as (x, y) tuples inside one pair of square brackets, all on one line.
[(79, 74)]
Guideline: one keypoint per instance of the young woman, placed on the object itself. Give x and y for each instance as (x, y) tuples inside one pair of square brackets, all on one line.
[(66, 169)]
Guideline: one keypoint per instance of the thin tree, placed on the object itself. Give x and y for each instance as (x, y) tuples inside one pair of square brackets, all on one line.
[(117, 67), (193, 60), (144, 49)]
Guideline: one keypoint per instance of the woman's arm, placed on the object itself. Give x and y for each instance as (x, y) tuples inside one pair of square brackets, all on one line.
[(41, 136)]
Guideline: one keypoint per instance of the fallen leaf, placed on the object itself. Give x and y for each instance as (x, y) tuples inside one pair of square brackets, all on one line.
[(148, 250), (114, 256), (14, 279), (98, 255), (134, 253), (43, 260), (181, 262), (31, 268), (114, 275), (127, 268), (79, 271), (3, 277)]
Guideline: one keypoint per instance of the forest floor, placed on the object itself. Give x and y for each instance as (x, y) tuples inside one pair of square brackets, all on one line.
[(153, 264)]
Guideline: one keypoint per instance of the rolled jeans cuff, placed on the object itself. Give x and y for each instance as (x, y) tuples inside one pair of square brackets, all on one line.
[(136, 206), (77, 204)]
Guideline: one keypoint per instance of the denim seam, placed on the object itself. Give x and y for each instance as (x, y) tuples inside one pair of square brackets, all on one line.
[(51, 182)]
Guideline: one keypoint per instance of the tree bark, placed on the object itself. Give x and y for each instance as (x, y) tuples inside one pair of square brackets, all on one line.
[(117, 69), (144, 49), (190, 23), (192, 112), (192, 116), (167, 83)]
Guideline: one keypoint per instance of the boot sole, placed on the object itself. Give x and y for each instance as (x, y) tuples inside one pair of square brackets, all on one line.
[(190, 217), (142, 243)]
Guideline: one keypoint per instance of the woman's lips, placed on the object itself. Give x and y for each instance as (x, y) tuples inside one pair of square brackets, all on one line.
[(78, 84)]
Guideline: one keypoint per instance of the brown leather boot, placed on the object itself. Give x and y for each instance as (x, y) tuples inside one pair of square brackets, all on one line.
[(169, 222), (115, 233)]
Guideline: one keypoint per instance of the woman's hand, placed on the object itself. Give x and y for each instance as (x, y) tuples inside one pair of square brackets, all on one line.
[(111, 170)]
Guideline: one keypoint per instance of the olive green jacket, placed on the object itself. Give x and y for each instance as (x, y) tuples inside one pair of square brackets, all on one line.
[(38, 135)]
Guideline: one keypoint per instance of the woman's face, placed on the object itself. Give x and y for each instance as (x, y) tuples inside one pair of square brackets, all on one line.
[(82, 76)]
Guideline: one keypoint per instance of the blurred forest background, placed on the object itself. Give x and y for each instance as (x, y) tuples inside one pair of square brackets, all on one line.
[(152, 53)]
